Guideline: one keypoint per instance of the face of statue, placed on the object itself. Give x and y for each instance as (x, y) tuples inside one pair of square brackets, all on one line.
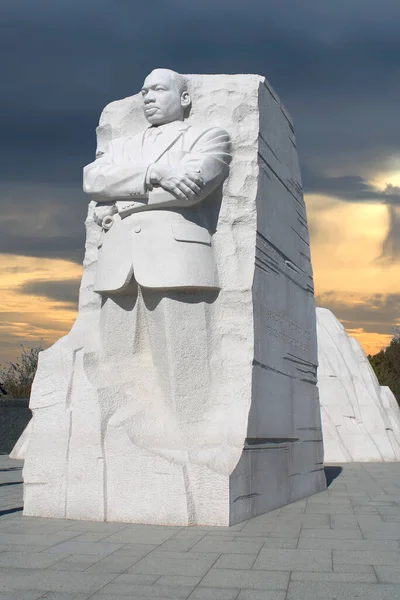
[(163, 103)]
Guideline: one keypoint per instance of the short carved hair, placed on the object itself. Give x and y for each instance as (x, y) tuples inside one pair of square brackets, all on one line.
[(181, 81)]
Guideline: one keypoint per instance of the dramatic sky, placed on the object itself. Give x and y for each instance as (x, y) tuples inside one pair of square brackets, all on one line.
[(334, 63)]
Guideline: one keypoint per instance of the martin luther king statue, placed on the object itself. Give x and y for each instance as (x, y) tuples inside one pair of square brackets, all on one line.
[(185, 392), (153, 231)]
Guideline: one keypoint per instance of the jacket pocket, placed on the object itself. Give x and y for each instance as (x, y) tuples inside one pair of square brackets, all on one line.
[(189, 232)]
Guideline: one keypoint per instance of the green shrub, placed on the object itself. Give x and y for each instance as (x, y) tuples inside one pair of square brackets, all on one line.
[(386, 364), (16, 378)]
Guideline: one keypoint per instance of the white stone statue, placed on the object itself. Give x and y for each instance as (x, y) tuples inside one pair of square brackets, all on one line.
[(155, 178), (185, 393)]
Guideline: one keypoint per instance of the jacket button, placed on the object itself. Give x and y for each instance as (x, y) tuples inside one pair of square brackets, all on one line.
[(137, 229)]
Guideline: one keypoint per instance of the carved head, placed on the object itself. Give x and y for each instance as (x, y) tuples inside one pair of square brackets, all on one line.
[(165, 97)]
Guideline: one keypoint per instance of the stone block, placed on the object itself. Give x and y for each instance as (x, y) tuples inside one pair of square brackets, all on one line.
[(185, 392)]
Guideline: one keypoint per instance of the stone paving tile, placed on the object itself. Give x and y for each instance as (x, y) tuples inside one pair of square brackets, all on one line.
[(91, 536), (234, 561), (336, 534), (112, 564), (228, 547), (28, 560), (334, 544), (334, 577), (294, 560), (62, 596), (208, 593), (256, 580), (98, 548), (179, 545), (338, 568), (273, 542), (86, 526), (28, 595), (382, 530), (134, 550), (341, 591), (372, 557), (175, 563), (49, 539), (140, 536), (76, 562), (253, 595), (22, 547), (55, 581), (178, 580), (388, 574), (125, 588), (125, 597), (281, 529), (352, 521)]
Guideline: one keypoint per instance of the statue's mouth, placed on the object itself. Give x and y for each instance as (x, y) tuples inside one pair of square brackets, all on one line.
[(150, 110)]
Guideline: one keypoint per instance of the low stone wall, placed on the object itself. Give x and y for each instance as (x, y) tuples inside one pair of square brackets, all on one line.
[(14, 417)]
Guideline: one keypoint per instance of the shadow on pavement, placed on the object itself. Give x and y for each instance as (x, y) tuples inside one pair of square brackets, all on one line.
[(331, 473), (9, 511)]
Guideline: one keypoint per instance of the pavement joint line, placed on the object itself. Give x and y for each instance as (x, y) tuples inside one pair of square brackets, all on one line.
[(288, 585), (258, 554), (197, 585)]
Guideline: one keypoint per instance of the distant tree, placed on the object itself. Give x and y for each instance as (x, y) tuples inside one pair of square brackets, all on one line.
[(386, 364), (16, 378)]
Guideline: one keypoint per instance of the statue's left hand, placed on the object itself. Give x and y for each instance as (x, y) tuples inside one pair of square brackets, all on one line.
[(103, 210)]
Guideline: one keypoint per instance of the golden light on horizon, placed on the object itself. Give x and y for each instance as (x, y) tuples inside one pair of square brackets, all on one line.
[(346, 243), (29, 318)]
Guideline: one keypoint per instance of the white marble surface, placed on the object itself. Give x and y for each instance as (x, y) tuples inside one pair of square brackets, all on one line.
[(360, 419), (204, 411), (20, 449)]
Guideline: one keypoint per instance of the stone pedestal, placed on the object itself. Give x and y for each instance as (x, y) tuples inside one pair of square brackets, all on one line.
[(243, 435)]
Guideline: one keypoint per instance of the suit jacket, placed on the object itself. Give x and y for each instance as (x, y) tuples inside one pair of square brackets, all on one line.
[(156, 237)]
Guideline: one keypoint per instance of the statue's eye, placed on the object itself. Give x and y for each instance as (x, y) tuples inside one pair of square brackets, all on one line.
[(143, 92), (159, 88)]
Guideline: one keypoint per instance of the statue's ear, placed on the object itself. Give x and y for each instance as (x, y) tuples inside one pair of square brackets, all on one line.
[(185, 99)]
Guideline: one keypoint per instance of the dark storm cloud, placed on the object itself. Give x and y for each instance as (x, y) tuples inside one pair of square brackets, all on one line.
[(66, 290), (334, 64), (349, 187), (355, 188), (377, 313), (42, 220)]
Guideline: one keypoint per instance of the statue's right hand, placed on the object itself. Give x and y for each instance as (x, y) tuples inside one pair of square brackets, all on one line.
[(183, 184)]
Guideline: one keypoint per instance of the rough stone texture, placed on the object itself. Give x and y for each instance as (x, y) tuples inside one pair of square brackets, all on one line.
[(14, 416), (360, 419), (257, 444)]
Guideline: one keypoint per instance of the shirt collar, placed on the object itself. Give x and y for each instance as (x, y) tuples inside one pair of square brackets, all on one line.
[(173, 126)]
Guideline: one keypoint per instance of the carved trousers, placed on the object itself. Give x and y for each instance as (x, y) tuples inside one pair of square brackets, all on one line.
[(156, 351)]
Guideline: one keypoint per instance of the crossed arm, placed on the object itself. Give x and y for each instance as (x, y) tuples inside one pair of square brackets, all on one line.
[(200, 171)]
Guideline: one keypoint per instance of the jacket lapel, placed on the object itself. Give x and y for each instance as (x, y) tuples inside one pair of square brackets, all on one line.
[(166, 140)]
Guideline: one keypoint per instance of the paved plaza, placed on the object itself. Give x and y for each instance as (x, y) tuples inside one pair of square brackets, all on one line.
[(341, 544)]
